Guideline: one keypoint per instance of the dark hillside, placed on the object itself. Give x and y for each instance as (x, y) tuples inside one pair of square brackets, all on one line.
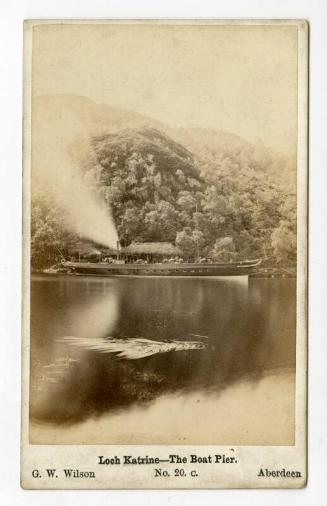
[(213, 194), (112, 151)]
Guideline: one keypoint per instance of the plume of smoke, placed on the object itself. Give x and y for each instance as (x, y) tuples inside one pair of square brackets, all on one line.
[(59, 174)]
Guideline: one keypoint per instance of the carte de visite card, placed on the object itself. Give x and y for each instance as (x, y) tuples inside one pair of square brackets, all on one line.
[(164, 339)]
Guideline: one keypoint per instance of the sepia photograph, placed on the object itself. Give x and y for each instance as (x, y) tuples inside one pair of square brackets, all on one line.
[(165, 238)]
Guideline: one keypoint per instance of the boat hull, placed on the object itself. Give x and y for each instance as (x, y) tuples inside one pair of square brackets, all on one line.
[(231, 269)]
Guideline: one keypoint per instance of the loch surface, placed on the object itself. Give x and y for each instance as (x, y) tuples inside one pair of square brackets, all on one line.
[(97, 377)]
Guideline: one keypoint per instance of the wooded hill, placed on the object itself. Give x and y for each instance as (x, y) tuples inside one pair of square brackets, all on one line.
[(211, 193)]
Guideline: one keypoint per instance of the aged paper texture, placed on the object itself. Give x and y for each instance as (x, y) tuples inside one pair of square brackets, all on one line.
[(165, 249)]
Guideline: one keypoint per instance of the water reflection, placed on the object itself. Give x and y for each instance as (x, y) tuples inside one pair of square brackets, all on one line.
[(131, 348), (247, 331)]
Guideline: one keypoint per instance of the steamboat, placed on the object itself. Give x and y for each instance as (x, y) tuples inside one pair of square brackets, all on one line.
[(172, 269), (151, 259)]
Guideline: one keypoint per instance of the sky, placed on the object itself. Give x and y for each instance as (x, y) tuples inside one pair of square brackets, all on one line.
[(240, 79)]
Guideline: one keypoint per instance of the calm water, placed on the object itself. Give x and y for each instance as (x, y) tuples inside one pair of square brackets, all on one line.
[(237, 389)]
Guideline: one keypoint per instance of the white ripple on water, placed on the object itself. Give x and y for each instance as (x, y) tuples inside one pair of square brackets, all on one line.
[(131, 348)]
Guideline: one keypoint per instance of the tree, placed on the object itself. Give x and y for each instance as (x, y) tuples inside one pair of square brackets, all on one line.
[(180, 176), (130, 224), (199, 241), (49, 237), (283, 240), (186, 201), (224, 249), (215, 203), (185, 242)]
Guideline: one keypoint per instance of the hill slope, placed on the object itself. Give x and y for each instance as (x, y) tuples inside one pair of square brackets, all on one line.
[(81, 117), (212, 193)]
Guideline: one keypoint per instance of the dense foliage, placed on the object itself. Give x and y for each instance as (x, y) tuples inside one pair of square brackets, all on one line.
[(222, 204)]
